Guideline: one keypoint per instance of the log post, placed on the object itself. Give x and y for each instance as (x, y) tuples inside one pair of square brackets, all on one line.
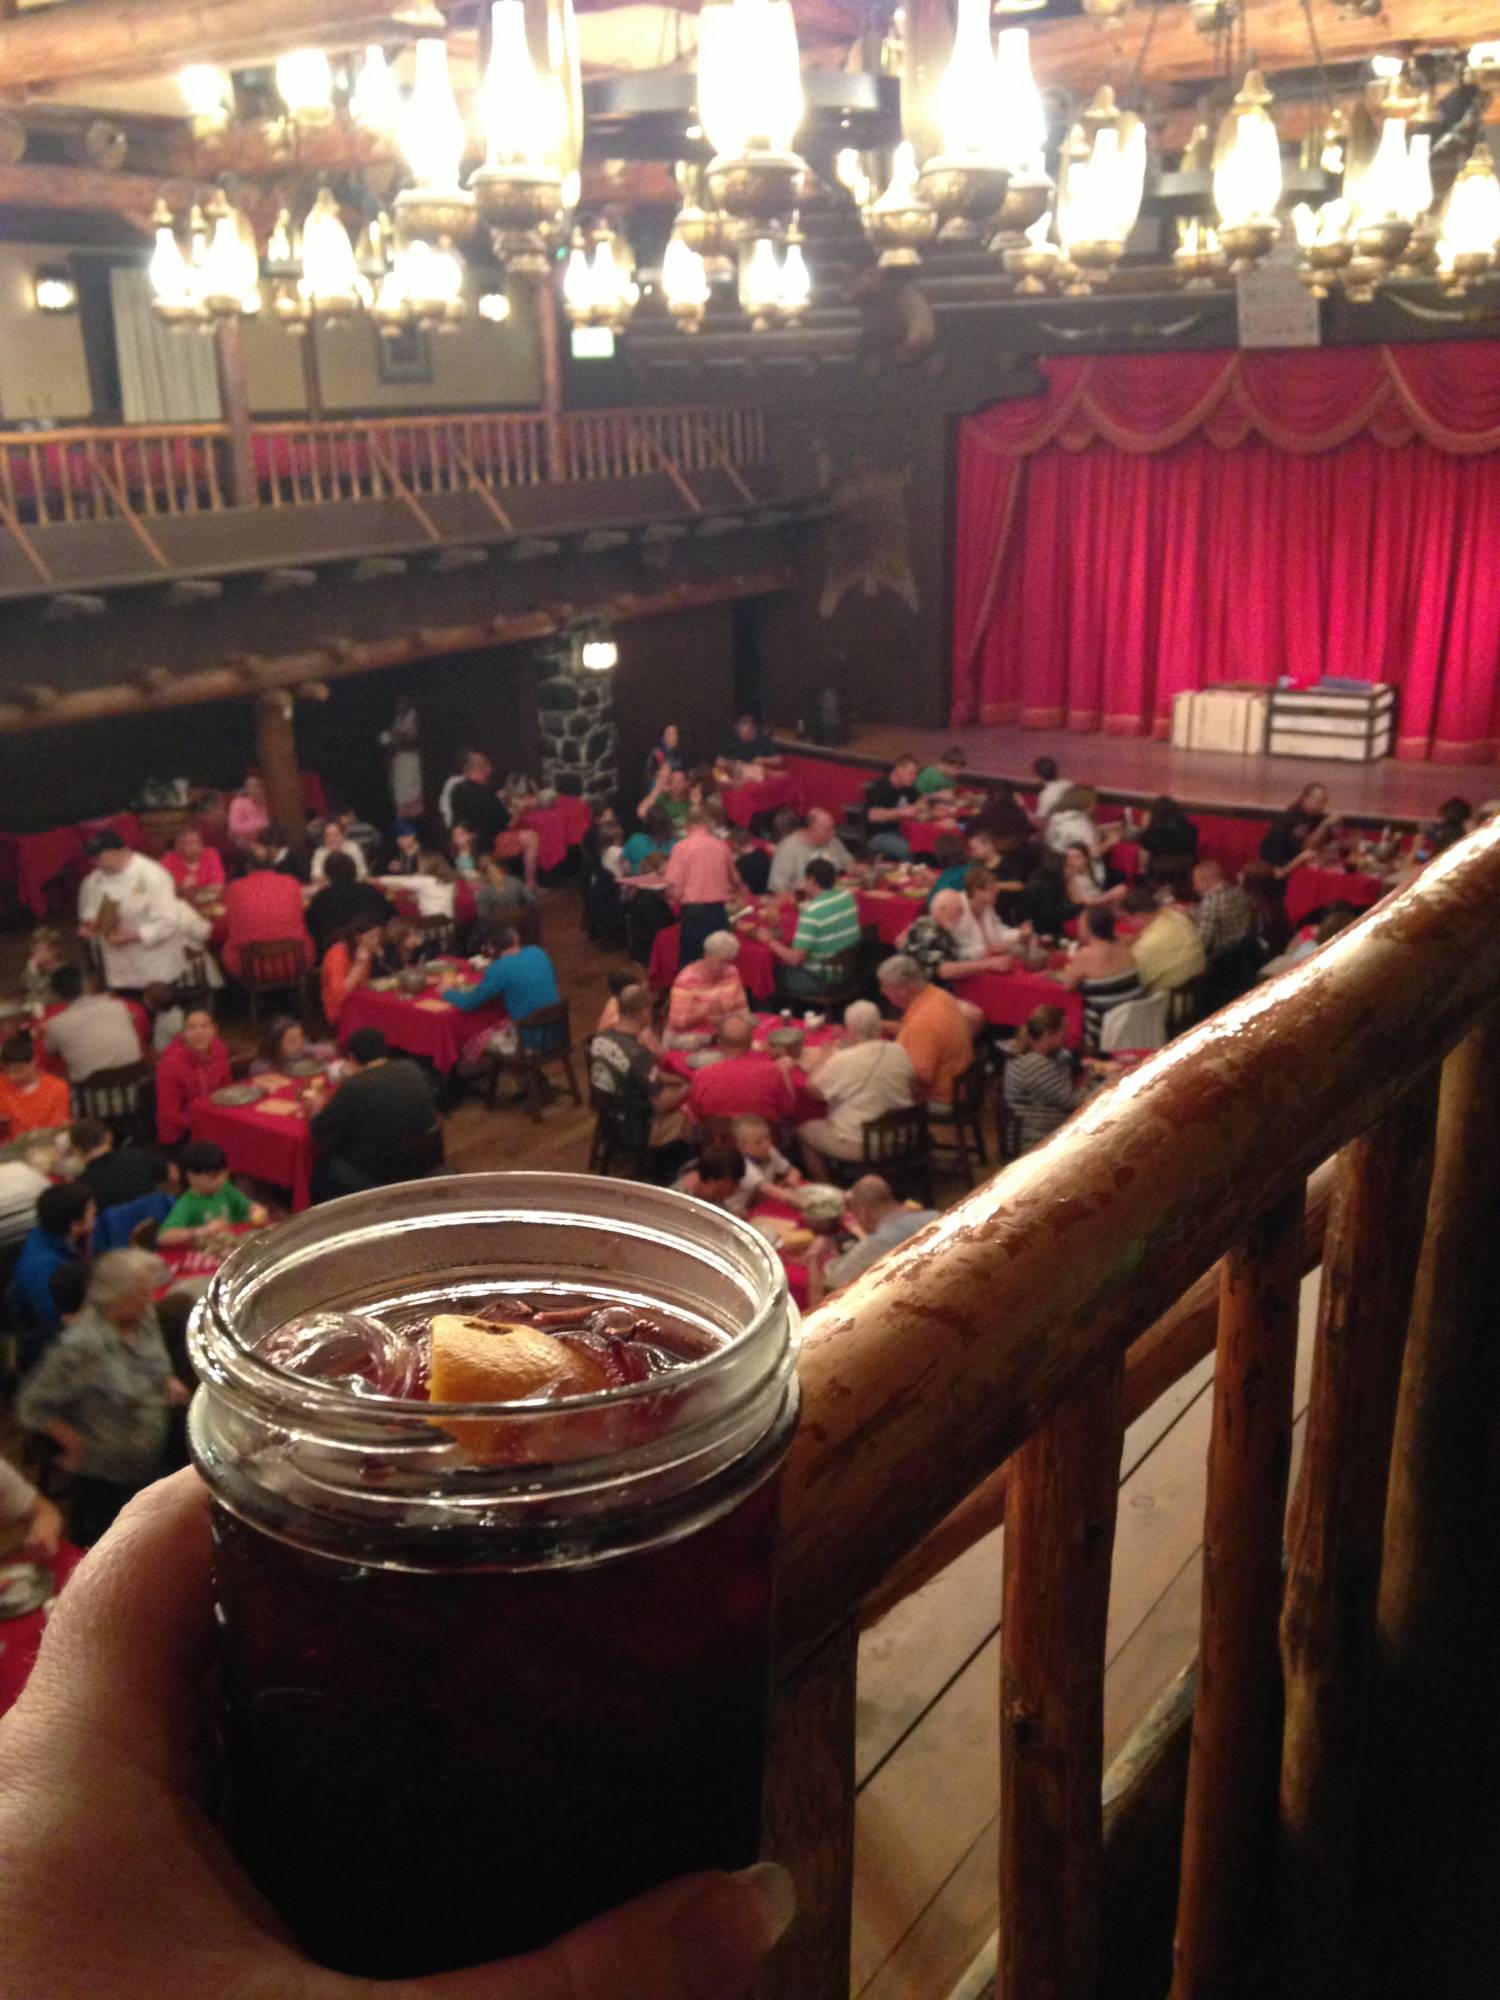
[(234, 402), (1059, 1541), (1334, 1535), (276, 758), (809, 1820), (549, 369), (1435, 1611), (1226, 1842)]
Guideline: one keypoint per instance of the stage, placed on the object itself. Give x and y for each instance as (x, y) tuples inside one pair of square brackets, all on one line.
[(1132, 770)]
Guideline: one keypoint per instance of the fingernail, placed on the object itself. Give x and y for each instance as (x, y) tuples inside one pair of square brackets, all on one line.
[(775, 1891)]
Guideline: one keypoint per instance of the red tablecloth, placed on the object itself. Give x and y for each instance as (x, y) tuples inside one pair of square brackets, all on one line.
[(890, 911), (1309, 889), (559, 826), (1007, 999), (401, 893), (439, 1035), (823, 781), (32, 860), (743, 802), (260, 1143), (20, 1638), (1129, 857), (808, 1104)]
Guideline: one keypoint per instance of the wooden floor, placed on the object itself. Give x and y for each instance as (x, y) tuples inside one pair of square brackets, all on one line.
[(929, 1702), (1135, 769)]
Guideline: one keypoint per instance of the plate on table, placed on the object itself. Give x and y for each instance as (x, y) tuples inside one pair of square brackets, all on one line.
[(704, 1058), (24, 1587), (238, 1094), (306, 1066), (385, 985)]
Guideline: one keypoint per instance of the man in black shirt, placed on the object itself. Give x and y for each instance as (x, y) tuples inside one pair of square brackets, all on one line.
[(749, 742), (115, 1174), (476, 804), (343, 900), (889, 799), (370, 1132)]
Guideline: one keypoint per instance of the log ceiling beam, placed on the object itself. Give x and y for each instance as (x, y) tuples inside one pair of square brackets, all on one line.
[(337, 659), (130, 195)]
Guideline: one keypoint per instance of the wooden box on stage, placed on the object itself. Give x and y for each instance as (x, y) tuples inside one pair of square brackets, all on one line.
[(1355, 723), (1232, 718)]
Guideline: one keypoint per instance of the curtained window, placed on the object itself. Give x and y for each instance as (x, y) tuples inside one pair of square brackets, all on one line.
[(167, 374)]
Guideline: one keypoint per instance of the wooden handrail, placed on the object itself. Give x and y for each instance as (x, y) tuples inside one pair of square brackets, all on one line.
[(925, 1374)]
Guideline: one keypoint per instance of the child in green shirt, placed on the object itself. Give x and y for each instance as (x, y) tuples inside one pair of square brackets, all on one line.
[(213, 1205), (939, 781)]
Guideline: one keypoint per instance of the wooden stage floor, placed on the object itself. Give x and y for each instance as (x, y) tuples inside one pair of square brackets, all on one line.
[(1136, 768)]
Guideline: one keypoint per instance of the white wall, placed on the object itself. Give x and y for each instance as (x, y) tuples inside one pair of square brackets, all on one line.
[(43, 371)]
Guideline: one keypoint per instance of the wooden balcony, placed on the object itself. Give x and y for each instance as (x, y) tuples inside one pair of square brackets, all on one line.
[(1338, 1834), (94, 509)]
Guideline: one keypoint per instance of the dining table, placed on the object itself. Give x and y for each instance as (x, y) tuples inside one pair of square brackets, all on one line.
[(269, 1140), (559, 828), (21, 1638), (1309, 889), (422, 1024), (885, 910), (1007, 999), (816, 1031), (768, 794), (32, 861)]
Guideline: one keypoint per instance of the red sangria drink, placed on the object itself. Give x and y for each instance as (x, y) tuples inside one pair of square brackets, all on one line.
[(494, 1466)]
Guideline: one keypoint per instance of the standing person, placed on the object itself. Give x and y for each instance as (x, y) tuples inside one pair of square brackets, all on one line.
[(104, 1390), (194, 1066), (1294, 836), (376, 1115), (827, 928), (888, 801), (934, 1028), (129, 902), (30, 1100), (702, 881), (94, 1030), (192, 863), (402, 746)]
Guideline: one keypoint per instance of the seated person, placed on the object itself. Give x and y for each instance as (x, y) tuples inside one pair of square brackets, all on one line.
[(519, 977), (1002, 816), (718, 1176), (618, 978), (703, 794), (1295, 836), (672, 793), (333, 842), (1167, 949), (1224, 916), (1168, 835), (30, 1100), (881, 1223), (475, 803), (888, 801), (249, 822), (858, 1082), (407, 857), (817, 840), (937, 782), (265, 907), (402, 945), (1051, 788), (622, 1069), (767, 1170), (707, 991), (951, 922), (195, 1065), (752, 862), (664, 755), (1455, 819), (609, 843), (1041, 1091), (44, 956), (64, 1226), (1071, 823), (114, 1175), (749, 742), (935, 1028), (1308, 943), (192, 863), (645, 852), (1045, 903), (827, 928), (1103, 971), (950, 856), (1088, 879), (32, 1526), (211, 1205), (748, 1082), (93, 1030), (993, 938), (366, 1132), (285, 1041), (344, 900), (350, 962), (104, 1392)]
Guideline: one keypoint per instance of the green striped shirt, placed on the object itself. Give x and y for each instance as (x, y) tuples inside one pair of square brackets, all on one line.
[(826, 926)]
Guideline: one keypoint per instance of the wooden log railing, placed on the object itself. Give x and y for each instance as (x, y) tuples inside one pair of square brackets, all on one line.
[(138, 472), (997, 1338)]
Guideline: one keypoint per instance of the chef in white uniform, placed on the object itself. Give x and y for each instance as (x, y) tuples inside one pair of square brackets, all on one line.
[(147, 942)]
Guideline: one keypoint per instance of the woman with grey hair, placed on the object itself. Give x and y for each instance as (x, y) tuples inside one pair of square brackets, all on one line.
[(103, 1392), (708, 991)]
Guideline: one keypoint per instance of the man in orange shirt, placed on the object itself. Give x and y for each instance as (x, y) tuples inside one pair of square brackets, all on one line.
[(29, 1100), (934, 1028), (701, 879)]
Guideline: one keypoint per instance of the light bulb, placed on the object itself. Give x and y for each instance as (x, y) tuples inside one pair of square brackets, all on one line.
[(1484, 55), (684, 277), (331, 280), (375, 102), (1471, 219), (1381, 190), (598, 656), (901, 193), (168, 270), (1418, 195), (515, 107), (1247, 171), (1020, 118), (207, 92), (578, 282), (304, 83), (964, 101), (53, 290), (796, 281), (1387, 68), (749, 76), (432, 132), (760, 279), (495, 307), (231, 269), (849, 168), (279, 242)]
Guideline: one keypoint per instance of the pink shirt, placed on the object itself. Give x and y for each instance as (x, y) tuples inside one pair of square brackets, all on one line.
[(207, 872), (248, 819), (701, 869)]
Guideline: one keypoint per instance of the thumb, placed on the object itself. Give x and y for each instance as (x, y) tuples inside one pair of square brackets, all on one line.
[(701, 1938)]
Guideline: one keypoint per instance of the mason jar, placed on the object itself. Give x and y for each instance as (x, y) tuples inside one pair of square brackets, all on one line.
[(469, 1705)]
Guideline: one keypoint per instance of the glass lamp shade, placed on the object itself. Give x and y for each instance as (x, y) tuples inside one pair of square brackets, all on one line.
[(749, 76), (1247, 158), (432, 131), (1471, 217), (230, 273), (684, 277), (207, 93), (965, 99), (796, 281), (331, 281), (1019, 115), (516, 107), (760, 280), (172, 286), (304, 83), (375, 102)]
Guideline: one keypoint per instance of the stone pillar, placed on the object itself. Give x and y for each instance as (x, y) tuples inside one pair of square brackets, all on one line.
[(578, 735)]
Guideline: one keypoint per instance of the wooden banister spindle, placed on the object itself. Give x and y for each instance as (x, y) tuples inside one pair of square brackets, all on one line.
[(1334, 1535), (809, 1819), (1435, 1613), (1059, 1540), (1227, 1837)]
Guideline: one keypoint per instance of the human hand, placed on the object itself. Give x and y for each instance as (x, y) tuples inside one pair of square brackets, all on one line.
[(178, 1394), (123, 934), (114, 1879), (217, 1225), (43, 1532), (259, 1215)]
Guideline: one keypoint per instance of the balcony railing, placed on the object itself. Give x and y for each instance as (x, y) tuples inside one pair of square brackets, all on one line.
[(142, 472), (1000, 1355)]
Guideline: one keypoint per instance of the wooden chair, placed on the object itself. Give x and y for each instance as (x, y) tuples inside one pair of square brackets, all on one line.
[(622, 1133), (896, 1145), (843, 984), (120, 1098), (439, 934), (1185, 1004), (953, 1134), (275, 965), (193, 985), (544, 1036)]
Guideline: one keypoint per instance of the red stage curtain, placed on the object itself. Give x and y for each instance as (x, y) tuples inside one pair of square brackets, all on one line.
[(1154, 523)]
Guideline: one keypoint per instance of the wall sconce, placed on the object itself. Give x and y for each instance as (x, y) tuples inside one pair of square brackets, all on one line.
[(53, 289), (593, 646)]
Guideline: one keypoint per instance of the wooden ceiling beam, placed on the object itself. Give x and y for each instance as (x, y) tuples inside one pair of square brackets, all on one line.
[(130, 195)]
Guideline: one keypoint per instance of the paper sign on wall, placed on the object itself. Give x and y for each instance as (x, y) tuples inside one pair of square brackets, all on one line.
[(1275, 309)]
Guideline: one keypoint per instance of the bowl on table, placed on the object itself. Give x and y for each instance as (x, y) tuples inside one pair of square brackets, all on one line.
[(412, 979), (235, 1095), (704, 1058), (305, 1066), (785, 1042)]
